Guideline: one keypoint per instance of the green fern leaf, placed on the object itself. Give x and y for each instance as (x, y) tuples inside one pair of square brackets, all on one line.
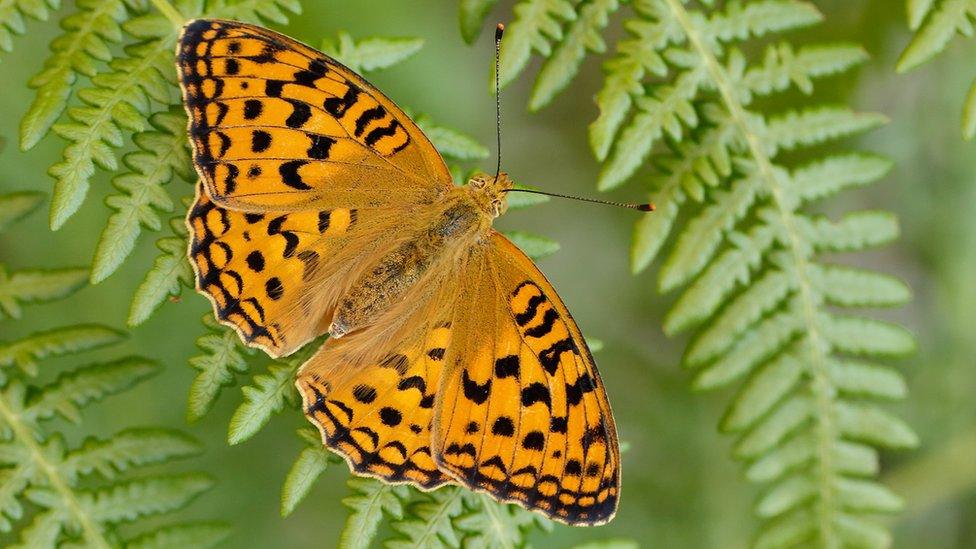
[(14, 13), (312, 461), (169, 274), (489, 524), (132, 500), (16, 206), (196, 534), (372, 53), (162, 153), (60, 341), (42, 469), (78, 51), (471, 17), (536, 23), (583, 35), (266, 397), (948, 17), (77, 388), (223, 356), (25, 287), (429, 521), (127, 449), (969, 113), (535, 246), (451, 144), (370, 501), (118, 102)]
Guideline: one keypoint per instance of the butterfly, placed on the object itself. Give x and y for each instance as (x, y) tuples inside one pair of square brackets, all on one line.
[(322, 208)]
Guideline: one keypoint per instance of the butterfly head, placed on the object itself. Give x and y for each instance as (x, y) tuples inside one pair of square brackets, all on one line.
[(489, 192)]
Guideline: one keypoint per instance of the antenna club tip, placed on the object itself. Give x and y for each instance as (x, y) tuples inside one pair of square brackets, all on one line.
[(499, 30), (649, 207)]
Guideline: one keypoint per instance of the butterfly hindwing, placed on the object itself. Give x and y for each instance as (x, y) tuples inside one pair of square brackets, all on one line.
[(378, 414), (278, 125), (522, 413)]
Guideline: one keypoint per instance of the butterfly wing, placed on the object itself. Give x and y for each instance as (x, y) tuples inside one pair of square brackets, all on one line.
[(276, 124), (521, 412), (275, 276)]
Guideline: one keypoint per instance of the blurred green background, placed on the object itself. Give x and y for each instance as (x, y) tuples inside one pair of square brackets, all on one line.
[(681, 489)]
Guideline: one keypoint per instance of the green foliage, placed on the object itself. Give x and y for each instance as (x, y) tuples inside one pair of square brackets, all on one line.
[(312, 461), (160, 154), (54, 492), (14, 15), (372, 53), (222, 356), (14, 206), (745, 250), (471, 16), (169, 273), (935, 22)]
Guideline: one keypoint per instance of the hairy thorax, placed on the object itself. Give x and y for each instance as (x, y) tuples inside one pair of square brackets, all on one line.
[(452, 225)]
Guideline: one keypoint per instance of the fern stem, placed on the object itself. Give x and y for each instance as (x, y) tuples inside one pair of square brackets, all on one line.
[(821, 386), (170, 12), (23, 434)]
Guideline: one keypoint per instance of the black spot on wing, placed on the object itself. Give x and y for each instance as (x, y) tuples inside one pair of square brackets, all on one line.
[(477, 393)]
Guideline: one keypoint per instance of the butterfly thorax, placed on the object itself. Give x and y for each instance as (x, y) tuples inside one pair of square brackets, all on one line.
[(458, 221)]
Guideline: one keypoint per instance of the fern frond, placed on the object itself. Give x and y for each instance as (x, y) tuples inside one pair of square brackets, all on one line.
[(935, 22), (20, 288), (312, 461), (266, 397), (71, 499), (582, 36), (73, 390), (471, 17), (371, 54), (223, 356), (14, 15), (193, 534), (429, 520), (370, 502), (452, 144), (81, 48), (536, 23), (124, 92), (118, 102), (25, 353), (491, 525), (167, 277), (131, 448), (16, 206), (162, 152)]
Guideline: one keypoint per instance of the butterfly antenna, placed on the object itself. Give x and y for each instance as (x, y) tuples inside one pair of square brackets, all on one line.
[(499, 31), (646, 207)]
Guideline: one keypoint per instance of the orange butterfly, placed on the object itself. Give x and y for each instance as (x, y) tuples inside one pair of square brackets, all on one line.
[(323, 208)]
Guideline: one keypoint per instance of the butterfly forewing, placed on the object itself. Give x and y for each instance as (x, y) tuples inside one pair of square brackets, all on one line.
[(278, 125)]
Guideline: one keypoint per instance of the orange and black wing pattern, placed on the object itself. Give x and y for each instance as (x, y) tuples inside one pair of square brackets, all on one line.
[(522, 413), (379, 414), (275, 124)]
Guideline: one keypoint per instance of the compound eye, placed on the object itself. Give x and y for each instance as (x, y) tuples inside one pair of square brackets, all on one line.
[(478, 183)]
